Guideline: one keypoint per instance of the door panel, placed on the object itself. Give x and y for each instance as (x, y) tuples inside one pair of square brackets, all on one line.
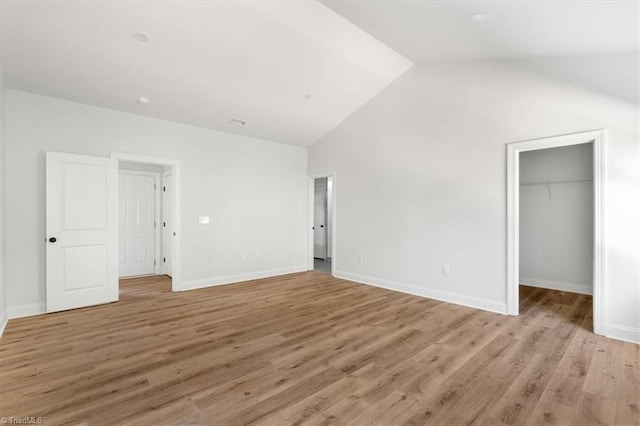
[(137, 224), (82, 232), (85, 197), (85, 266)]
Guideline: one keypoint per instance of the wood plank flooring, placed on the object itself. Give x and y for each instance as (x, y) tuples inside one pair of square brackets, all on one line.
[(311, 349)]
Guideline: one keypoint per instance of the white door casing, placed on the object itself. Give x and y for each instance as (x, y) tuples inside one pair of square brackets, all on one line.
[(173, 167), (137, 223), (329, 217), (598, 138), (167, 223), (82, 231)]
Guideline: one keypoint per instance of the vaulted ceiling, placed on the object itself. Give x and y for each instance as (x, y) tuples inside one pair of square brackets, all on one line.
[(291, 70), (439, 31)]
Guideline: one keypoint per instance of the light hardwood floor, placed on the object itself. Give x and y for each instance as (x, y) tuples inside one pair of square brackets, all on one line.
[(309, 348)]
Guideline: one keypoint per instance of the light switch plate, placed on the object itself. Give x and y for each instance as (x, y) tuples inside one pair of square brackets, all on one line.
[(203, 220)]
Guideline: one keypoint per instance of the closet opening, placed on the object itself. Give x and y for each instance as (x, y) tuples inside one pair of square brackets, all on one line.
[(555, 220)]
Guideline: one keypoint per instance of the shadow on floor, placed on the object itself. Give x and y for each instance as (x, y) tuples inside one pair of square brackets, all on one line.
[(323, 266)]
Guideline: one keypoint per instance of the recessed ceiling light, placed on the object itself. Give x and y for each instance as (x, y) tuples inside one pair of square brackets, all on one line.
[(141, 37), (235, 122), (142, 100), (480, 17), (306, 97)]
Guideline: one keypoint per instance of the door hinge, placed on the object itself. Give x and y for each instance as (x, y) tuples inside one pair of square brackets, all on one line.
[(154, 262), (155, 224), (164, 189), (164, 259), (164, 224), (155, 186)]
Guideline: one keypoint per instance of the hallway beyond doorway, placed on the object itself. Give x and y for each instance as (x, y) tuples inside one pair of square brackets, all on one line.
[(323, 266)]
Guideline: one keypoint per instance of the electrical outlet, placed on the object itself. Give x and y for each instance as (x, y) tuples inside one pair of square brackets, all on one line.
[(446, 269), (204, 220), (360, 258)]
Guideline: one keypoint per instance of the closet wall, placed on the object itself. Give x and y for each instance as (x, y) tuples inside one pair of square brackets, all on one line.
[(556, 218)]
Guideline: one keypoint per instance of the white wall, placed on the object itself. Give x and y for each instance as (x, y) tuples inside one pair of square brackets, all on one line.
[(3, 297), (556, 218), (254, 191), (422, 174)]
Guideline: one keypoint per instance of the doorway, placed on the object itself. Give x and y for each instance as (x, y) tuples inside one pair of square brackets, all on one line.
[(166, 214), (556, 218), (587, 185), (140, 211), (322, 215), (145, 225)]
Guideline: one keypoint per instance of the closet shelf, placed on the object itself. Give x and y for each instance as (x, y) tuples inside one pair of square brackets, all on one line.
[(556, 182)]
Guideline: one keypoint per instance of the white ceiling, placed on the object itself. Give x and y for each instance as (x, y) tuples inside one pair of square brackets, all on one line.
[(435, 31), (204, 63), (209, 61)]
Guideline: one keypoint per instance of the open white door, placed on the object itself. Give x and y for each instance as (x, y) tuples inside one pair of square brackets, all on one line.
[(82, 231)]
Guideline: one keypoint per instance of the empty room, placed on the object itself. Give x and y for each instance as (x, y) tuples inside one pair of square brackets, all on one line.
[(334, 212)]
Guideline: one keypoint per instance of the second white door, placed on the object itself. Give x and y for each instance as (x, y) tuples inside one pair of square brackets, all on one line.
[(137, 224)]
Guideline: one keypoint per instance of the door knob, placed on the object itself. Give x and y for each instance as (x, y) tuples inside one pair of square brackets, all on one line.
[(52, 240), (321, 226)]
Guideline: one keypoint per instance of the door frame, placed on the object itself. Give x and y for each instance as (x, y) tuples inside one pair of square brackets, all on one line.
[(598, 138), (156, 213), (164, 175), (176, 267), (327, 219), (331, 235)]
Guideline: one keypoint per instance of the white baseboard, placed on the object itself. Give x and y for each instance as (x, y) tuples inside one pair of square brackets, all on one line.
[(557, 285), (26, 310), (3, 324), (231, 279), (623, 332), (444, 296)]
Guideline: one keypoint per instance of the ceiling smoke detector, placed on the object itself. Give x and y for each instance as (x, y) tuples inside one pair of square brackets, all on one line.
[(141, 37)]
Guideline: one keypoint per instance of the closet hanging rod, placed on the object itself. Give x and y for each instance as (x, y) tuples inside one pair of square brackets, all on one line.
[(557, 181)]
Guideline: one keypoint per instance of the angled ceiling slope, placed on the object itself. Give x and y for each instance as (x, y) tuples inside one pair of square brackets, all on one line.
[(429, 31), (291, 70)]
